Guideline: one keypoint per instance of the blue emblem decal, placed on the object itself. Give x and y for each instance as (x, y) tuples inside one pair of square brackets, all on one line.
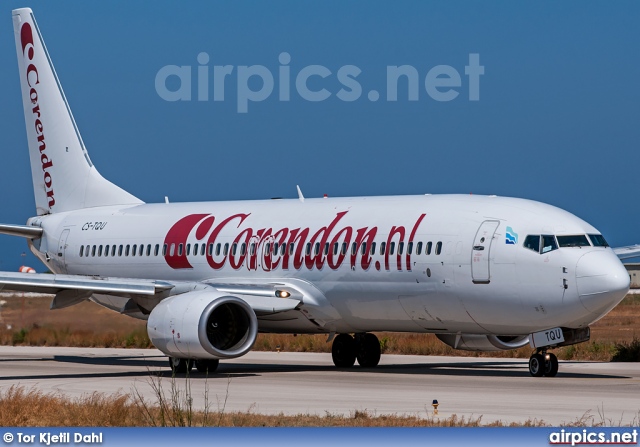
[(512, 237)]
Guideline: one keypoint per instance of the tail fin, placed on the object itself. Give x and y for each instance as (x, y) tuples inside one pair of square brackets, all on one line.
[(64, 178)]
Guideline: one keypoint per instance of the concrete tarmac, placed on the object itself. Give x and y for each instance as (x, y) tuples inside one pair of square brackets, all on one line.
[(294, 383)]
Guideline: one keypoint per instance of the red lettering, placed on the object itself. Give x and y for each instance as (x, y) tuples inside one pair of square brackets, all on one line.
[(335, 264), (399, 231), (52, 201), (47, 179), (319, 257), (411, 238), (46, 163), (178, 234), (367, 237), (26, 38), (300, 237), (212, 239), (32, 69), (239, 254)]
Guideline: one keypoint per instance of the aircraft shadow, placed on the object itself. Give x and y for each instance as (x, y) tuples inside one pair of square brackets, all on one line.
[(156, 365)]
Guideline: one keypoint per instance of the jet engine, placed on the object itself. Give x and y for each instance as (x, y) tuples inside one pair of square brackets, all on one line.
[(203, 324), (478, 342)]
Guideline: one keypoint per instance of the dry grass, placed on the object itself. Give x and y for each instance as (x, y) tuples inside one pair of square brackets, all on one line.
[(28, 321), (21, 407)]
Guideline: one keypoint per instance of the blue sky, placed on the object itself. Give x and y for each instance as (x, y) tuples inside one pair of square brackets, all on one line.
[(557, 119)]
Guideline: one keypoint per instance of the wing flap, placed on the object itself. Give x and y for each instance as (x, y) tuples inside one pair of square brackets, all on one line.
[(53, 284)]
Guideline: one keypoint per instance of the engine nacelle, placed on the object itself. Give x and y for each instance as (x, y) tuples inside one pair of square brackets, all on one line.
[(203, 324), (479, 342)]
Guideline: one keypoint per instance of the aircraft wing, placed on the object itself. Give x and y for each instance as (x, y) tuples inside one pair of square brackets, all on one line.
[(71, 289), (630, 251)]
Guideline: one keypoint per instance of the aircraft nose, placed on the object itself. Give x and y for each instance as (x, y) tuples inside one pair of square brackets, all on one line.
[(602, 281)]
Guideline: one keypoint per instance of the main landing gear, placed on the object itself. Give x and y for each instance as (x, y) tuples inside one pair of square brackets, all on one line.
[(181, 366), (364, 347), (543, 363)]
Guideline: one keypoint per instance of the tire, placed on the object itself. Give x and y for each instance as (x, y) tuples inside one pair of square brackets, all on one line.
[(207, 366), (368, 355), (536, 365), (180, 366), (343, 351), (551, 366)]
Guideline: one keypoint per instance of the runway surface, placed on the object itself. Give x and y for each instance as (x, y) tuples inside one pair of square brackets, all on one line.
[(293, 383)]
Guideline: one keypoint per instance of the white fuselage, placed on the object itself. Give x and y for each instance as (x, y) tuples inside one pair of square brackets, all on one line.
[(477, 276)]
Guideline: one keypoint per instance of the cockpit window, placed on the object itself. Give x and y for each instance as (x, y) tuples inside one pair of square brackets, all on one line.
[(548, 243), (598, 240), (532, 243), (578, 240)]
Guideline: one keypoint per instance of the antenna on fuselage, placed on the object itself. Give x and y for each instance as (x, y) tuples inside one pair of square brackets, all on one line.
[(300, 196)]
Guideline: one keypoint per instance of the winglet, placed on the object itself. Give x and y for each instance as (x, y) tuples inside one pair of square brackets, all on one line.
[(300, 196)]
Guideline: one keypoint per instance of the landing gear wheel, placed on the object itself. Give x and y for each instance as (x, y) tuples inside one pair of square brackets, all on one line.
[(551, 365), (368, 352), (180, 366), (207, 365), (343, 351), (536, 365)]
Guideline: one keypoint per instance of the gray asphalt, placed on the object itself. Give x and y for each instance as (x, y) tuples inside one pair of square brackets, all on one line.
[(293, 383)]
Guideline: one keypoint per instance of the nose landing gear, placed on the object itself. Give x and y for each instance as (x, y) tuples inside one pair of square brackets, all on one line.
[(543, 363), (365, 348)]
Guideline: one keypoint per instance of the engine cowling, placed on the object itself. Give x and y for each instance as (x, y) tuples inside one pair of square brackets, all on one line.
[(203, 324), (479, 342)]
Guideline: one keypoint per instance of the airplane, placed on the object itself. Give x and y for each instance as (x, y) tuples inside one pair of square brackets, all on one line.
[(483, 273)]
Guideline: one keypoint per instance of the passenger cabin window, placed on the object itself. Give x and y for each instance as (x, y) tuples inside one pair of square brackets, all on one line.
[(383, 246), (354, 249), (164, 250), (106, 250), (532, 243), (427, 249), (81, 250), (364, 249), (93, 251), (149, 250), (400, 248), (439, 248), (188, 250), (218, 246), (548, 243), (598, 240), (578, 240), (373, 248), (409, 248), (120, 250), (155, 251), (419, 248), (392, 247), (100, 250)]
